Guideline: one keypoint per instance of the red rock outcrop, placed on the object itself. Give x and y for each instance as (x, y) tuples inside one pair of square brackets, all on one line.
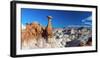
[(36, 31), (49, 27)]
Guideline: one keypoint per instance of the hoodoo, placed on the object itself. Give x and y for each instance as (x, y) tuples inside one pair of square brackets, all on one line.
[(49, 32)]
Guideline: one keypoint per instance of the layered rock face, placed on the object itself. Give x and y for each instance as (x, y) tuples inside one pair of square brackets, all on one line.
[(31, 34)]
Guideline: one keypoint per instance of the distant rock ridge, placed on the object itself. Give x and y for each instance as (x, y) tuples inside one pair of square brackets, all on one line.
[(78, 26)]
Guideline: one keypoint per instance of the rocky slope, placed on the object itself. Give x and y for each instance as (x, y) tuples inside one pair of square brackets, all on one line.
[(62, 37)]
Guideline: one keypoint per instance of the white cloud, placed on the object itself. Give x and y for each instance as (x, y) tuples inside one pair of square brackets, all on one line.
[(23, 26), (88, 23), (36, 22), (83, 20), (88, 20)]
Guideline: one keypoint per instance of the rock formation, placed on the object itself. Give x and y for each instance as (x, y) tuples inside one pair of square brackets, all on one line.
[(49, 29), (27, 34), (37, 36), (36, 31)]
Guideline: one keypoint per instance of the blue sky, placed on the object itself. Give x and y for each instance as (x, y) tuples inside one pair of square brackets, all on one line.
[(61, 18)]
